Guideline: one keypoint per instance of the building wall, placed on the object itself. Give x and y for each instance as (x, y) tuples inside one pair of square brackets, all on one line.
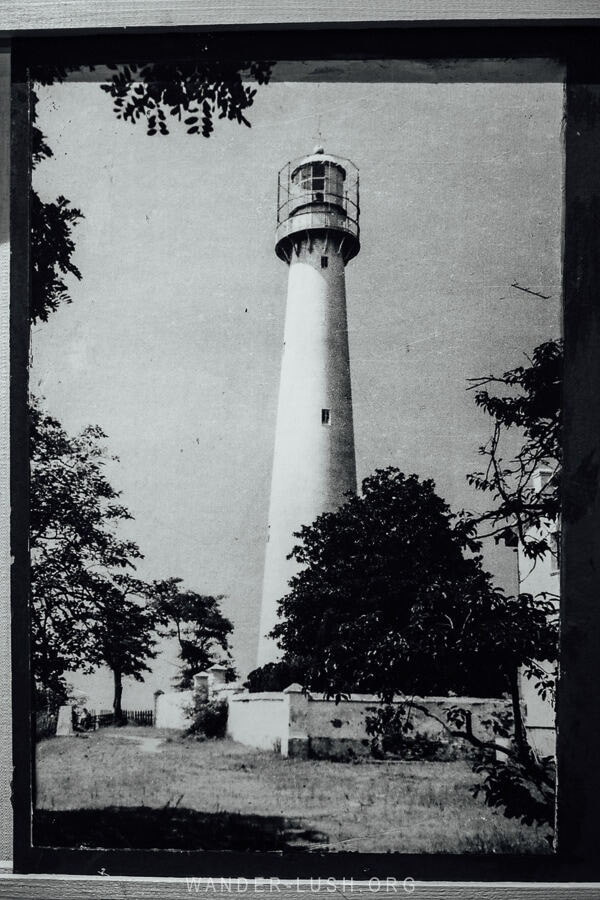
[(300, 725), (259, 720), (171, 710)]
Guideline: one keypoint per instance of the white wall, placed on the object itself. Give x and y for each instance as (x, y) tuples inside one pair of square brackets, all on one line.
[(290, 721), (259, 720), (170, 709)]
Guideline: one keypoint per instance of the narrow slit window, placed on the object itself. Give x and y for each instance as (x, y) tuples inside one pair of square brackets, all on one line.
[(324, 262), (325, 417)]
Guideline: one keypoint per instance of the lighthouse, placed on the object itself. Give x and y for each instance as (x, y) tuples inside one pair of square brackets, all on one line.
[(314, 464)]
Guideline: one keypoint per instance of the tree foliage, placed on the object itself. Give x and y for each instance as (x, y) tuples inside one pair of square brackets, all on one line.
[(277, 676), (52, 244), (123, 630), (209, 718), (522, 789), (192, 94), (389, 599), (77, 556), (527, 398), (198, 623)]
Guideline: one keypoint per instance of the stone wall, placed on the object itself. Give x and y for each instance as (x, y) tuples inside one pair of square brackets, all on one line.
[(259, 720), (171, 710), (302, 725)]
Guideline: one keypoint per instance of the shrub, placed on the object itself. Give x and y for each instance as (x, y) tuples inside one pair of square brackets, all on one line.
[(209, 718)]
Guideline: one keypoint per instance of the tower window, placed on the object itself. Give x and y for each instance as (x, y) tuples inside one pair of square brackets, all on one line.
[(325, 417), (318, 170), (318, 180), (324, 262)]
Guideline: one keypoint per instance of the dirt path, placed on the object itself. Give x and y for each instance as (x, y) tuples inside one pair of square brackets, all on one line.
[(148, 745)]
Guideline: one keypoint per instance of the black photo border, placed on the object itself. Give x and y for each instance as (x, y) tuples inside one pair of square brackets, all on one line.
[(576, 858)]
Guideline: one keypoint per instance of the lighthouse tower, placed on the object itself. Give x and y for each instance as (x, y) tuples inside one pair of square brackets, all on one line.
[(314, 464)]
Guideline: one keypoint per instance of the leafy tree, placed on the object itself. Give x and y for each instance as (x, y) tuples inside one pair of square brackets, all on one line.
[(388, 599), (198, 624), (122, 629), (519, 508), (75, 514), (526, 399)]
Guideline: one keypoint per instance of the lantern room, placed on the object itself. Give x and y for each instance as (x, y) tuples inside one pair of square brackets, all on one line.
[(318, 193)]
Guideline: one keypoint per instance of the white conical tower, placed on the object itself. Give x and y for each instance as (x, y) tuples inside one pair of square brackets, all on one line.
[(314, 464)]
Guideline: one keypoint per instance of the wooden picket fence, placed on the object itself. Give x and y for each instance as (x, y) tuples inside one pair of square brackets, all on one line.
[(132, 716), (139, 716), (45, 720)]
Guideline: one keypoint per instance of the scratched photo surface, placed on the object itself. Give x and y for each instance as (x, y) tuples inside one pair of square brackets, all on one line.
[(234, 333)]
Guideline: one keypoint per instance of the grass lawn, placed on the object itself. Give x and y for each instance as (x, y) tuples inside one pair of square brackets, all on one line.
[(105, 789)]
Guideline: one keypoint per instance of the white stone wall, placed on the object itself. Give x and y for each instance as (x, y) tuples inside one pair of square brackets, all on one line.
[(259, 720), (291, 721), (171, 709)]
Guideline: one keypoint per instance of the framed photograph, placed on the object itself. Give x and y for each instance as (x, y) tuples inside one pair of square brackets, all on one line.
[(304, 449)]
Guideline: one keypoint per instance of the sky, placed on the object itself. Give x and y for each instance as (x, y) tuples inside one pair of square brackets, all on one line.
[(173, 341)]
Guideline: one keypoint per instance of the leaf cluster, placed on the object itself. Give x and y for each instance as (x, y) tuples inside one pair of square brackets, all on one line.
[(52, 244), (519, 505), (52, 248), (192, 94), (276, 676), (198, 623), (522, 791)]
